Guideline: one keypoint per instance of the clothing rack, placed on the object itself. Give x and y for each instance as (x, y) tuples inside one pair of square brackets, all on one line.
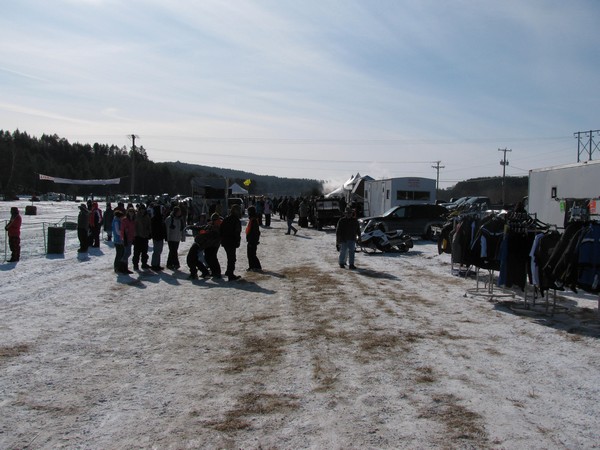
[(487, 288)]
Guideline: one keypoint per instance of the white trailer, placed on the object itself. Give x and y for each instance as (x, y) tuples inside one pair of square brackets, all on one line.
[(381, 195), (554, 191)]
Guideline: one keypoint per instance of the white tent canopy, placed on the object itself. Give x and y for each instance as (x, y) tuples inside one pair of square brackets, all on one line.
[(237, 189), (348, 187)]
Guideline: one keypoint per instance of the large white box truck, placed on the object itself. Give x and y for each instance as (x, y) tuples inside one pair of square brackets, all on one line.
[(381, 195), (555, 191)]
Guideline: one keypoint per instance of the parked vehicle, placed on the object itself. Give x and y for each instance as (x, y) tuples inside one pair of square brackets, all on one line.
[(325, 212), (374, 237), (454, 204), (475, 203), (415, 220)]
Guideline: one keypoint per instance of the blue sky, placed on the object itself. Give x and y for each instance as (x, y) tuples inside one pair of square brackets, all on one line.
[(310, 89)]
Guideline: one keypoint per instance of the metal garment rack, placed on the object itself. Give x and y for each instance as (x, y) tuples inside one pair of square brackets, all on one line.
[(535, 294), (485, 287)]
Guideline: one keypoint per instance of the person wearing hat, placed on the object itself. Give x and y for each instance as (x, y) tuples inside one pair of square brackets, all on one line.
[(83, 228), (13, 229), (346, 233), (213, 244)]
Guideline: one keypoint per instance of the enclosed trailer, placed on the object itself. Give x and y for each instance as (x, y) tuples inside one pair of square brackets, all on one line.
[(381, 195), (554, 192)]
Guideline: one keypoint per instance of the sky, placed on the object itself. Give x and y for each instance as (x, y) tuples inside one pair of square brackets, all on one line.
[(319, 89)]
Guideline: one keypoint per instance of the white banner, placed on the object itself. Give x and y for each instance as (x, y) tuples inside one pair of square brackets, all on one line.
[(83, 182)]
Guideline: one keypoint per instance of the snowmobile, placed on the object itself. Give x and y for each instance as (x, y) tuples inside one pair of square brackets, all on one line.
[(373, 237)]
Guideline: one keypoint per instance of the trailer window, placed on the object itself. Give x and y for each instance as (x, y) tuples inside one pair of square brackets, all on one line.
[(413, 195)]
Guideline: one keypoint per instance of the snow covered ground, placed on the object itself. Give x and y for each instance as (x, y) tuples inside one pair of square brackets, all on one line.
[(304, 355)]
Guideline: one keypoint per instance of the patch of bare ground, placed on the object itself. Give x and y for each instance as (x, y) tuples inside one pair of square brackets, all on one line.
[(254, 404), (325, 374), (255, 351), (379, 344), (493, 351), (447, 335), (52, 409), (425, 375), (13, 351), (464, 428)]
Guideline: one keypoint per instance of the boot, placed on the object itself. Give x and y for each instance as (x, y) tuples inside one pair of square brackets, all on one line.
[(123, 268)]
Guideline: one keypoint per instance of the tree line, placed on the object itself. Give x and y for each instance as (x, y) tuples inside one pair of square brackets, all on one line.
[(515, 188), (24, 157)]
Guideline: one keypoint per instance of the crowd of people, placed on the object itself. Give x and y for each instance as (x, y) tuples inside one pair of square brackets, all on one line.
[(131, 228)]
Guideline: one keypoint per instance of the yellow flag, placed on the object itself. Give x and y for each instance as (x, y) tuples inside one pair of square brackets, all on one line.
[(247, 182)]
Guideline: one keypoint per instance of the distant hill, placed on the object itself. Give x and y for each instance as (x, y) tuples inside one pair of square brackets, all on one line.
[(24, 157), (259, 184)]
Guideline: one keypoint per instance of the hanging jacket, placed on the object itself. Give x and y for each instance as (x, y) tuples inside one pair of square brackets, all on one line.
[(588, 262)]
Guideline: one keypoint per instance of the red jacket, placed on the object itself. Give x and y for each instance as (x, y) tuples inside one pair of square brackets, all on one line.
[(14, 226), (127, 230)]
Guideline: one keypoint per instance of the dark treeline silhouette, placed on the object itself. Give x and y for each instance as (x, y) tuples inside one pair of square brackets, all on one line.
[(24, 157), (515, 188)]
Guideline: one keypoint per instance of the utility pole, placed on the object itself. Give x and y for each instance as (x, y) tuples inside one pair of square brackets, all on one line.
[(133, 137), (591, 147), (437, 167), (503, 163)]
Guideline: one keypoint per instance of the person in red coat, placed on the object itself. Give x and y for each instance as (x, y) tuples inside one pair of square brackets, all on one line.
[(13, 228), (252, 239), (128, 236)]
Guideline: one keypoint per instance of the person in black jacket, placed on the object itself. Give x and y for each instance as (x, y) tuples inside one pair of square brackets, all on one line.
[(83, 228), (346, 233), (231, 230), (212, 245), (252, 239), (159, 235)]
